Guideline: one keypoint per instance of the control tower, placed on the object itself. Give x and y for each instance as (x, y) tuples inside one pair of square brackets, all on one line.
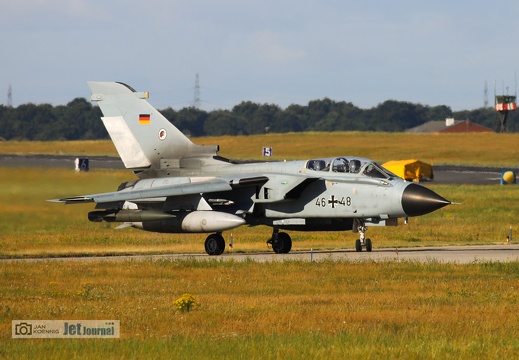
[(504, 104)]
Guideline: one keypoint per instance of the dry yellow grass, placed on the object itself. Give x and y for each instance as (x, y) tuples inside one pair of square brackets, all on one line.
[(486, 149), (322, 309)]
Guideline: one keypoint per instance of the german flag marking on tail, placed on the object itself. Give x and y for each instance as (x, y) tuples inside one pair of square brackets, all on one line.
[(144, 119)]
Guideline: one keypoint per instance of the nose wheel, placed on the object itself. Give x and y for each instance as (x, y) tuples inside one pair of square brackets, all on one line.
[(362, 242)]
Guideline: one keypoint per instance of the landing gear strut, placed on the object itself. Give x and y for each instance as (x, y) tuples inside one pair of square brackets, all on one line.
[(363, 242), (215, 244), (280, 241)]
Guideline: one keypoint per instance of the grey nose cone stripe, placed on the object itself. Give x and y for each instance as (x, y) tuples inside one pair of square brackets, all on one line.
[(419, 200)]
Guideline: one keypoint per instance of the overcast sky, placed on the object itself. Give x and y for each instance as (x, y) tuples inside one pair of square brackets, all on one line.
[(282, 52)]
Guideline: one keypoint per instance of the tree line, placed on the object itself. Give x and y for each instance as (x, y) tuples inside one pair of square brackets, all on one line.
[(80, 120)]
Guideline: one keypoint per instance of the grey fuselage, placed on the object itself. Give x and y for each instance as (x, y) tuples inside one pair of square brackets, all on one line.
[(296, 194)]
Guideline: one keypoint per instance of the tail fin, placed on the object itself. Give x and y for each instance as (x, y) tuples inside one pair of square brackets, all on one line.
[(143, 137)]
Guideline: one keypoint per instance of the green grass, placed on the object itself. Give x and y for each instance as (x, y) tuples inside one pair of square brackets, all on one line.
[(294, 309)]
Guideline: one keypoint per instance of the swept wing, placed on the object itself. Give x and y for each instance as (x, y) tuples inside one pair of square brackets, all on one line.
[(207, 186)]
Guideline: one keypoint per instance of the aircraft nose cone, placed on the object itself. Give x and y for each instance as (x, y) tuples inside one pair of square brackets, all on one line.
[(419, 200)]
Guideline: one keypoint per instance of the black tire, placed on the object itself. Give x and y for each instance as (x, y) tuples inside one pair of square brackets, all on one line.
[(281, 243), (358, 246), (369, 245), (214, 244)]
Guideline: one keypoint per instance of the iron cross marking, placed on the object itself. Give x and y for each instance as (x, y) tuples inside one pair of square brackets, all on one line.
[(333, 201)]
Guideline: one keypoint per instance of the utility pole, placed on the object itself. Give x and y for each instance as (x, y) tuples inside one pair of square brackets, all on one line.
[(485, 95)]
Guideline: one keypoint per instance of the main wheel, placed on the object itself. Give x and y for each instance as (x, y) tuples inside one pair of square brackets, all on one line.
[(214, 244), (358, 246), (369, 245), (281, 243)]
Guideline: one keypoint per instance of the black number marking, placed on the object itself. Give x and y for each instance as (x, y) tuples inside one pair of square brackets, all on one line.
[(333, 201)]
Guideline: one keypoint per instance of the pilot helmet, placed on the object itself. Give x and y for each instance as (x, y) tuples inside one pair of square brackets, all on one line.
[(354, 166)]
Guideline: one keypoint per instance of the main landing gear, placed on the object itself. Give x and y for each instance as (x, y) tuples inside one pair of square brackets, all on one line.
[(215, 244), (363, 242), (280, 241)]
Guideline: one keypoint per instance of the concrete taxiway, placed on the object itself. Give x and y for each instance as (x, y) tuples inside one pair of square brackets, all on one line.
[(445, 254)]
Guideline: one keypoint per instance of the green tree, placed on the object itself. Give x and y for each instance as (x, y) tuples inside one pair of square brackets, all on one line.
[(292, 119), (224, 122), (79, 119), (191, 121)]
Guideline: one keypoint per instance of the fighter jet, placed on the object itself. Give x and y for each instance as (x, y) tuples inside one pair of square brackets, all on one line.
[(183, 187)]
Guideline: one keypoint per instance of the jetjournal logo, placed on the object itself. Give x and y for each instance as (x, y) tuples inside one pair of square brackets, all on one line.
[(66, 329)]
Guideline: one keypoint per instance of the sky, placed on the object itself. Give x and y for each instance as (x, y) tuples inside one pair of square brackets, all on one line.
[(270, 51)]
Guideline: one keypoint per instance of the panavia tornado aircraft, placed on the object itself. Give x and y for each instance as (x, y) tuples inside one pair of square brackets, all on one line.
[(188, 188)]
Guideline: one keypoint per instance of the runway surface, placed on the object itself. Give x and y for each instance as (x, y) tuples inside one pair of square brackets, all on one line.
[(443, 174), (447, 254)]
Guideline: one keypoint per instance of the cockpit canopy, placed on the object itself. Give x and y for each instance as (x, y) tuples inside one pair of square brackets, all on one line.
[(350, 165)]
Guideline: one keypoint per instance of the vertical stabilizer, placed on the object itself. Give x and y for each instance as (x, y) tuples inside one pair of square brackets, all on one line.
[(143, 137)]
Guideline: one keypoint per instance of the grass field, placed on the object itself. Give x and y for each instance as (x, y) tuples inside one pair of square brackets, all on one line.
[(279, 310), (289, 310)]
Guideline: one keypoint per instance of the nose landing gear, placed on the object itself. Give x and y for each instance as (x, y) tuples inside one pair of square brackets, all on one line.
[(362, 241)]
